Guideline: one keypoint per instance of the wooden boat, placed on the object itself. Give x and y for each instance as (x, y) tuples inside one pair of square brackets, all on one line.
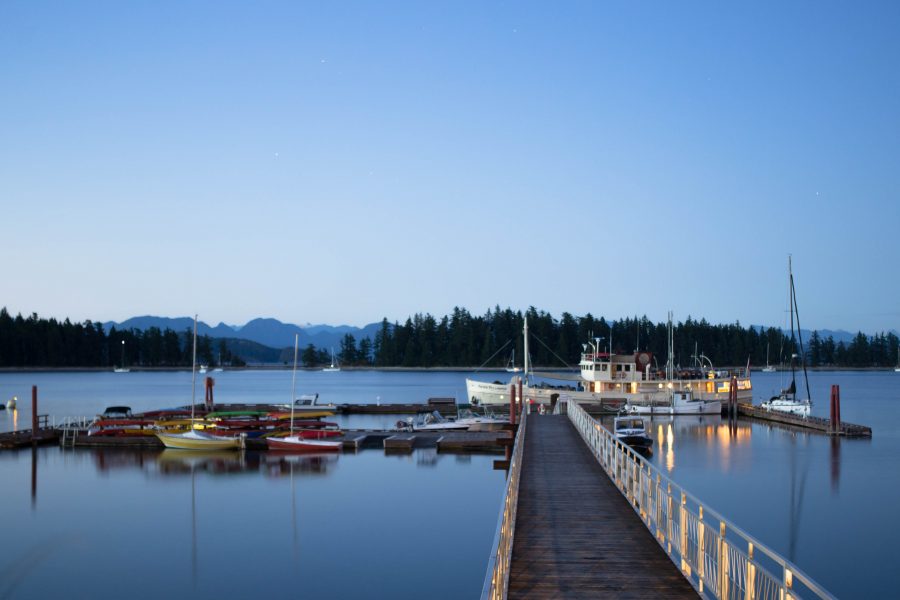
[(197, 440)]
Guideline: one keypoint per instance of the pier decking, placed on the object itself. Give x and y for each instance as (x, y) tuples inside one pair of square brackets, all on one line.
[(576, 535)]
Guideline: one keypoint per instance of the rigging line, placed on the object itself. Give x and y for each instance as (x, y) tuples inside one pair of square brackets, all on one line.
[(800, 335), (551, 351), (492, 356)]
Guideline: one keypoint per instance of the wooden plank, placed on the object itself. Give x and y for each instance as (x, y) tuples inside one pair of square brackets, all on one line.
[(401, 442), (576, 535)]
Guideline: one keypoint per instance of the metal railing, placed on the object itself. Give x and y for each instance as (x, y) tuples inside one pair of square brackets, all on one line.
[(718, 558), (496, 580)]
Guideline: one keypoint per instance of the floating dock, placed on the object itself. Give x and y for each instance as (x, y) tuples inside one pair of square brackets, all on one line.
[(353, 440), (813, 423)]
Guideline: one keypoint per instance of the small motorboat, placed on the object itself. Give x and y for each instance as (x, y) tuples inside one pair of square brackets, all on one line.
[(477, 422), (632, 431), (433, 421)]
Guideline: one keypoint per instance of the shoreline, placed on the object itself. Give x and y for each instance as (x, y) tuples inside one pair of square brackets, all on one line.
[(382, 369)]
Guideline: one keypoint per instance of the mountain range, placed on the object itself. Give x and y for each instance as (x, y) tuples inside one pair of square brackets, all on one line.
[(268, 332), (276, 334)]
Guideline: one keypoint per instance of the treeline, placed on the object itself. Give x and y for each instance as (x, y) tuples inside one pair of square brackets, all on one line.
[(463, 339), (37, 342), (456, 340)]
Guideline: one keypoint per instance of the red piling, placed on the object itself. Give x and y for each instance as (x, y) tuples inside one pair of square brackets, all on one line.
[(835, 408), (512, 404), (34, 414), (732, 397), (210, 403)]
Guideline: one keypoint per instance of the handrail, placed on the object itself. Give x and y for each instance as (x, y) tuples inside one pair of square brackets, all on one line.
[(496, 580), (718, 558)]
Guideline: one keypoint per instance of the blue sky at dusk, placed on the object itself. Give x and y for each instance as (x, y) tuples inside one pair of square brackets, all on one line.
[(341, 162)]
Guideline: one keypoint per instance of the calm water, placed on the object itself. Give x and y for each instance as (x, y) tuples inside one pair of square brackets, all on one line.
[(414, 526)]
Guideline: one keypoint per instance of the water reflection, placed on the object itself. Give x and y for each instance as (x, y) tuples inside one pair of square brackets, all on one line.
[(835, 464)]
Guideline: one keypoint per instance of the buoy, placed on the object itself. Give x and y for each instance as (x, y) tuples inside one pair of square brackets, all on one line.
[(11, 405)]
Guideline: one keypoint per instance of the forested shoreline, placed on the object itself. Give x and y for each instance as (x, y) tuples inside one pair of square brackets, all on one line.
[(459, 339)]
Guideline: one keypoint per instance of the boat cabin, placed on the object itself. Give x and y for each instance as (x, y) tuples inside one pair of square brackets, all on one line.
[(117, 412)]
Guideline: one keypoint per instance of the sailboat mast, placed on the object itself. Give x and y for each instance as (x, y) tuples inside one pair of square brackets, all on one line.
[(194, 373), (525, 360), (791, 310), (294, 380)]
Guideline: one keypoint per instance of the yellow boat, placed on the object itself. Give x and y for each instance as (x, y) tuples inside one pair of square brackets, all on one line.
[(197, 440)]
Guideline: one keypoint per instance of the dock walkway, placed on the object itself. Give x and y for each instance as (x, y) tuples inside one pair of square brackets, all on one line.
[(576, 535)]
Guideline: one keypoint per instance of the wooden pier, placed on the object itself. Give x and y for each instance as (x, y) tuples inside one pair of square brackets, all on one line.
[(817, 424), (23, 439), (576, 535)]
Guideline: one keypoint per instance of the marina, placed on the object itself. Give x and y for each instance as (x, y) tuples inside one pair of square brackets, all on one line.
[(675, 440)]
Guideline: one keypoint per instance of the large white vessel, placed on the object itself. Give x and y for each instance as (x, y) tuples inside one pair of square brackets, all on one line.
[(613, 380)]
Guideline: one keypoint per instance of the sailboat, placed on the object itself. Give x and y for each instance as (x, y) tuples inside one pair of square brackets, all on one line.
[(303, 441), (768, 368), (193, 439), (787, 401), (333, 368), (511, 366), (122, 368)]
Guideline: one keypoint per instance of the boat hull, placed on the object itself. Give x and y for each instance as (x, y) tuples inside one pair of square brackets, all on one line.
[(794, 407), (483, 393), (196, 441), (301, 444)]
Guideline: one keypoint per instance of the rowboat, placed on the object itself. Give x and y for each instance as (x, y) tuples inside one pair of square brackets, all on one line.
[(197, 440)]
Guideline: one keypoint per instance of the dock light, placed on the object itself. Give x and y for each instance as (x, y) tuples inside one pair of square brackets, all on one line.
[(660, 386), (669, 385)]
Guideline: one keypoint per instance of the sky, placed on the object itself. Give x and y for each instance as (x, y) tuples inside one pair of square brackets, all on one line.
[(342, 162)]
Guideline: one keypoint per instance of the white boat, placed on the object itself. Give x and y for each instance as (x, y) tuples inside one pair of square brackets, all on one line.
[(787, 401), (677, 403), (615, 380), (202, 370), (476, 422), (122, 368), (768, 368), (11, 403), (309, 403), (334, 367), (433, 421), (511, 365), (632, 431)]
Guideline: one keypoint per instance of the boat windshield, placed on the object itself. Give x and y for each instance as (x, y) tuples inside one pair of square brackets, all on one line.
[(629, 424)]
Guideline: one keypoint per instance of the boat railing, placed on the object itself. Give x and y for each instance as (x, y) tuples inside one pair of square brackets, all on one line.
[(496, 580), (717, 557)]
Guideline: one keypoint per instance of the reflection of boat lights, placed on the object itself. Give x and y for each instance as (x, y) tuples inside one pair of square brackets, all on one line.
[(670, 448), (661, 436), (15, 419)]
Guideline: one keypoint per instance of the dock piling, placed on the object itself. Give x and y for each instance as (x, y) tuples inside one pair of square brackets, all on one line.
[(835, 408), (34, 415), (512, 404)]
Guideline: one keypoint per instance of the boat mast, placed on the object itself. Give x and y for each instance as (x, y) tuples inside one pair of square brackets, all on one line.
[(670, 350), (525, 363), (194, 373), (294, 380)]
